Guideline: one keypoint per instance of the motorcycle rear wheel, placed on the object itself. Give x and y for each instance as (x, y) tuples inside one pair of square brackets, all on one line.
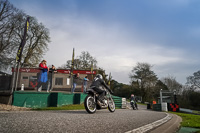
[(111, 105), (90, 105), (133, 105)]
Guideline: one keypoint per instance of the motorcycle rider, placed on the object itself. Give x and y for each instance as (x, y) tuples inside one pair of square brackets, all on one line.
[(134, 99), (97, 84)]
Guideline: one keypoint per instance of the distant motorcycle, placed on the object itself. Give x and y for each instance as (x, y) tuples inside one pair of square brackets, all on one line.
[(133, 104), (92, 103)]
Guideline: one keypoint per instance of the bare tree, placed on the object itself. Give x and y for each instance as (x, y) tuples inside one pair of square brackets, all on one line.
[(12, 23), (194, 81), (69, 64), (84, 61), (7, 33), (37, 43), (146, 79), (172, 84)]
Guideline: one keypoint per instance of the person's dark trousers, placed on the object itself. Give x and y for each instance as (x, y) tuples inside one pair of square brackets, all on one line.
[(39, 86), (42, 85), (49, 88)]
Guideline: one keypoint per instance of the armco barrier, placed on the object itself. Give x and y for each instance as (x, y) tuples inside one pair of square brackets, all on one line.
[(54, 99)]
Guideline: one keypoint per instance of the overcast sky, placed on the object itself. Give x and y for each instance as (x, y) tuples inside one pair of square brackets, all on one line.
[(120, 33)]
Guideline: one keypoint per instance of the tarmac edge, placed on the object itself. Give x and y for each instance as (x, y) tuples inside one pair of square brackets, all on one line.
[(171, 126), (151, 126), (170, 123)]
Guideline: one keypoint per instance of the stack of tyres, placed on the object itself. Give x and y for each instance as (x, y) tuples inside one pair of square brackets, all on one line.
[(123, 103)]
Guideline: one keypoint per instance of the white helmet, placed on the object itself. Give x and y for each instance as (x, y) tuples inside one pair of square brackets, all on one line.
[(99, 76)]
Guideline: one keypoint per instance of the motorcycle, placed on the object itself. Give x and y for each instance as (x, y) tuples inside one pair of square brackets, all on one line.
[(133, 104), (92, 103)]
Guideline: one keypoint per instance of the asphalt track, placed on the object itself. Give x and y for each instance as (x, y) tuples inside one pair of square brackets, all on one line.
[(121, 121)]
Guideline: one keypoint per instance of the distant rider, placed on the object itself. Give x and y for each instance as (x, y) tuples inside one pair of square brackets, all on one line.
[(97, 84), (134, 99)]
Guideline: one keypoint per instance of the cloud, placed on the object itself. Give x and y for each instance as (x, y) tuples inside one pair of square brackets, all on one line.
[(115, 50), (162, 33)]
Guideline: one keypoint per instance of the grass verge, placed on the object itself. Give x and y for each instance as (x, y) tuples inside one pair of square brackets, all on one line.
[(189, 120), (66, 107)]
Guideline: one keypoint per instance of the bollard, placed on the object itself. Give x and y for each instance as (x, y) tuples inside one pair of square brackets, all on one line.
[(22, 87)]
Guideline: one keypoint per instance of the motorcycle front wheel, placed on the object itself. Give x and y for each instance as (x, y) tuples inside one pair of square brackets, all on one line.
[(90, 104), (111, 105)]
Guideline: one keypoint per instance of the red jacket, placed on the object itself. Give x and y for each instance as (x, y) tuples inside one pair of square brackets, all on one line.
[(42, 66)]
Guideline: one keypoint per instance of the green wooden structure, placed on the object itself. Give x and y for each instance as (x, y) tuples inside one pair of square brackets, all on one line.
[(54, 99)]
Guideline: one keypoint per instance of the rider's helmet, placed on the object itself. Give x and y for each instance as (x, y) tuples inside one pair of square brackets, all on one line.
[(99, 76)]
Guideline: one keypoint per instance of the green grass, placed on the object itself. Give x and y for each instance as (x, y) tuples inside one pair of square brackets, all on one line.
[(66, 107), (189, 120), (196, 112)]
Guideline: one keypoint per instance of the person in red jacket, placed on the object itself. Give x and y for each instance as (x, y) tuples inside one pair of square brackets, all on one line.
[(43, 77)]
